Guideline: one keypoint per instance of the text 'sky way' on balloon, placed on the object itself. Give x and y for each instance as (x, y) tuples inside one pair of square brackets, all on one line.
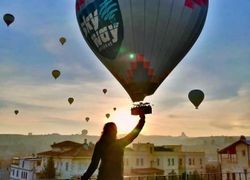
[(8, 19), (70, 100), (196, 96), (16, 112), (56, 73), (87, 119), (104, 91), (62, 40), (107, 115), (141, 41)]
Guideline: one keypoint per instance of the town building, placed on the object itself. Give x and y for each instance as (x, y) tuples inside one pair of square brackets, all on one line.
[(25, 168), (235, 160), (71, 159), (147, 159)]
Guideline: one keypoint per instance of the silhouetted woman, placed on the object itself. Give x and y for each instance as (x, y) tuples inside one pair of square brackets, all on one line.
[(109, 151)]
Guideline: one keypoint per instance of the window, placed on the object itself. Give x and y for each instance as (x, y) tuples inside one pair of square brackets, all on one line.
[(23, 164), (190, 161), (243, 153), (137, 161), (141, 161), (172, 161), (169, 163), (158, 162), (17, 173), (13, 172), (66, 166), (180, 162)]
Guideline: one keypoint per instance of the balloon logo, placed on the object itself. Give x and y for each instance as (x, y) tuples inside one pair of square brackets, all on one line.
[(141, 42), (87, 119), (196, 96), (56, 73), (62, 40), (70, 100), (104, 91), (107, 115), (8, 19), (16, 112)]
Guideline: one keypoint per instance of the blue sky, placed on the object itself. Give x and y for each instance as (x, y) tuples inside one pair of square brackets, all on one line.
[(218, 64)]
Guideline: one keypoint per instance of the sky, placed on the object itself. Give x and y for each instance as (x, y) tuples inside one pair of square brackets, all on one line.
[(218, 64)]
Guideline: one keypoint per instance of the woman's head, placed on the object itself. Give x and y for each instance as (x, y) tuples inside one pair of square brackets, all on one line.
[(109, 130)]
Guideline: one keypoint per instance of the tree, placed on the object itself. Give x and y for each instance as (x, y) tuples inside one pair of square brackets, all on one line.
[(50, 171)]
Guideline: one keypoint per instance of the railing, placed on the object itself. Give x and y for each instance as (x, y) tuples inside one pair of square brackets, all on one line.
[(211, 176)]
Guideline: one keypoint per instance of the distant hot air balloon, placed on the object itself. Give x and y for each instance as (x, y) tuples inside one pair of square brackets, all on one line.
[(84, 132), (8, 19), (107, 115), (62, 40), (70, 100), (104, 91), (87, 119), (196, 96), (141, 41), (114, 108), (56, 73), (16, 112)]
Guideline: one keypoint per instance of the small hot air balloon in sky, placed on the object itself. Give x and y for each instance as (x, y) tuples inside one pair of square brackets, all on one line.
[(8, 19), (107, 115), (16, 112), (141, 41), (196, 96), (62, 40), (104, 91), (114, 108), (70, 100), (56, 73), (84, 132), (87, 119)]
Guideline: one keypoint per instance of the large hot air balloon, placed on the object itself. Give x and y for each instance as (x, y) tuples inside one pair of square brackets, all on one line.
[(16, 112), (141, 41), (70, 100), (114, 108), (56, 73), (196, 96), (8, 19), (62, 40)]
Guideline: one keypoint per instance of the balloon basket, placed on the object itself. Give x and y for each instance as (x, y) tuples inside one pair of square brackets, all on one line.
[(142, 108)]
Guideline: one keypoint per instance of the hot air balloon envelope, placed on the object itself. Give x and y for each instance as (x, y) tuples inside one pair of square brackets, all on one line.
[(8, 19), (107, 115), (56, 73), (70, 100), (16, 112), (104, 91), (196, 96), (62, 40), (141, 41), (87, 119)]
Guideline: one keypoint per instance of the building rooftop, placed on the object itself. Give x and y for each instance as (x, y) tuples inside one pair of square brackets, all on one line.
[(66, 144), (231, 149)]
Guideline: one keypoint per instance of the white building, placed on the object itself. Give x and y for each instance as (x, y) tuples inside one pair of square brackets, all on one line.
[(71, 159), (235, 160), (147, 159), (25, 168)]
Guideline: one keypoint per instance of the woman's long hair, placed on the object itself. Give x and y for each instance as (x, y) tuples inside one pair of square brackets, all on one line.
[(109, 133)]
